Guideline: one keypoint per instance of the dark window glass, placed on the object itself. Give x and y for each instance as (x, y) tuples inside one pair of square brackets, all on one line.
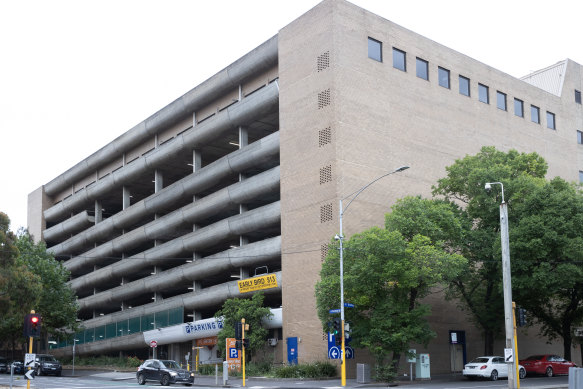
[(464, 86), (501, 100), (422, 69), (483, 94), (518, 108), (551, 120), (534, 114), (580, 137), (399, 60), (577, 96), (580, 177), (375, 50), (443, 75)]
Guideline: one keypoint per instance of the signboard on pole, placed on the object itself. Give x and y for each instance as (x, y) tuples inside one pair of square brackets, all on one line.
[(153, 344), (233, 355), (257, 283)]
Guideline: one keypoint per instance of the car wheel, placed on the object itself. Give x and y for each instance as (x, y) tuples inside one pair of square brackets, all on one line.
[(521, 373), (141, 379), (494, 375), (165, 380), (58, 374), (549, 372)]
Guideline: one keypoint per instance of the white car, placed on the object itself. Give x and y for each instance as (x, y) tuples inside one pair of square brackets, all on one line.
[(489, 367)]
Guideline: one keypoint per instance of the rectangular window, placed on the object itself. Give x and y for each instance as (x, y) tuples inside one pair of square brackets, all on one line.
[(580, 177), (577, 96), (519, 107), (422, 69), (501, 100), (580, 137), (483, 94), (464, 86), (551, 120), (399, 60), (375, 49), (534, 114), (443, 75)]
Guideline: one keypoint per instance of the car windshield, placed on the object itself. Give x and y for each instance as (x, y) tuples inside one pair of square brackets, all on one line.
[(170, 364), (49, 359), (480, 360), (534, 358)]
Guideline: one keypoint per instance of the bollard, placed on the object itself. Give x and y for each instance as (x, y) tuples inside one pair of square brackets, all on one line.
[(225, 373), (575, 377)]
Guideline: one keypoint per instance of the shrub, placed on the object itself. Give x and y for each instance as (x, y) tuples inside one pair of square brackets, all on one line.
[(314, 370)]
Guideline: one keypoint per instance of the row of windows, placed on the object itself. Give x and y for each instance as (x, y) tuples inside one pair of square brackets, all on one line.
[(443, 75)]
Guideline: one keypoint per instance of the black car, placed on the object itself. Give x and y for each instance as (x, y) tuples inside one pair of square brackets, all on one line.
[(4, 366), (163, 371), (47, 364), (18, 367)]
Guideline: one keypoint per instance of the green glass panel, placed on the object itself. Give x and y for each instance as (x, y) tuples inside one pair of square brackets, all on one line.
[(147, 322), (134, 325), (100, 333), (122, 328), (176, 316), (110, 331), (161, 319)]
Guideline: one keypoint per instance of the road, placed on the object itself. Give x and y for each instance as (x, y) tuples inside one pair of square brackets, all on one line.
[(115, 380)]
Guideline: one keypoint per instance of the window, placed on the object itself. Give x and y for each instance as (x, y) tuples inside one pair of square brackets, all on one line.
[(551, 120), (375, 49), (483, 94), (580, 137), (501, 100), (519, 107), (399, 60), (464, 86), (578, 96), (534, 114), (422, 69), (443, 76), (580, 177)]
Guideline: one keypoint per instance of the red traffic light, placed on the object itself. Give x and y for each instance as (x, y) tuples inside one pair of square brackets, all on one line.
[(34, 319)]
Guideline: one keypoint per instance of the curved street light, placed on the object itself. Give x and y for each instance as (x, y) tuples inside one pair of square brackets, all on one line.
[(340, 238)]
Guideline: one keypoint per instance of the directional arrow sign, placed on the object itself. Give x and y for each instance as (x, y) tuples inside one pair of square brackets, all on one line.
[(334, 353), (29, 375), (349, 352)]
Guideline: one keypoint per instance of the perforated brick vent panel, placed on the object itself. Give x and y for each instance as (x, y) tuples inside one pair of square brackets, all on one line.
[(324, 99), (324, 136), (323, 252), (325, 174), (323, 61), (326, 213)]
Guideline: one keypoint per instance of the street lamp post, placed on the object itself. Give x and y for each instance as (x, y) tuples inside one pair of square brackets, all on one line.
[(507, 286), (340, 238)]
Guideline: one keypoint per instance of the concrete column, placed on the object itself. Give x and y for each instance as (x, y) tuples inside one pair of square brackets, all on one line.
[(158, 181), (196, 287), (196, 166), (243, 141), (125, 197), (98, 212)]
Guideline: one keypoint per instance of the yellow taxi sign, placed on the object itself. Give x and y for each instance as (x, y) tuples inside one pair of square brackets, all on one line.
[(257, 283)]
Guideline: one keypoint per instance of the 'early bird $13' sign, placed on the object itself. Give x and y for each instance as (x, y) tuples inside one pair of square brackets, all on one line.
[(257, 283)]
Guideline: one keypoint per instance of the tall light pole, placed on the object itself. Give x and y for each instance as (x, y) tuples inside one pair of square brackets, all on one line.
[(340, 237), (507, 285)]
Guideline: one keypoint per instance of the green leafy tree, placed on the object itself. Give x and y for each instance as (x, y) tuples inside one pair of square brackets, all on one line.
[(17, 287), (57, 303), (386, 274), (253, 311), (479, 288), (547, 258)]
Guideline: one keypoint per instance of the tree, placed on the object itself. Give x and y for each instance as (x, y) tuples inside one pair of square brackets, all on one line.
[(57, 303), (17, 286), (547, 258), (253, 311), (386, 273)]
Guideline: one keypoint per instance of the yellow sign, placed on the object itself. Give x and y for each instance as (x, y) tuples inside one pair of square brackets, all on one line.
[(257, 283)]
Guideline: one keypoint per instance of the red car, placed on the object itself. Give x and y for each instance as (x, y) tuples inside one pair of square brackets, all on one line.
[(548, 365)]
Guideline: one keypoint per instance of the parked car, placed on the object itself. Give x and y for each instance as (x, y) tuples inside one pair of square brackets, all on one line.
[(18, 367), (4, 367), (47, 364), (163, 371), (547, 364), (491, 367)]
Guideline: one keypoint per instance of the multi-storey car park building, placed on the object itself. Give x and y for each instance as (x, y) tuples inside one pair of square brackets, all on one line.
[(242, 176)]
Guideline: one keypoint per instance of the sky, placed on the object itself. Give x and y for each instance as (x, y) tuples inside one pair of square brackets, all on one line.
[(76, 74)]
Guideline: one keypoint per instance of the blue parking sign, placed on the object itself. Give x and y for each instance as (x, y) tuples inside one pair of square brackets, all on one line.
[(233, 353)]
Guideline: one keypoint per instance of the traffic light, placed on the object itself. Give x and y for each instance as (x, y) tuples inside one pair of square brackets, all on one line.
[(521, 317), (337, 329), (240, 343), (32, 325), (238, 330)]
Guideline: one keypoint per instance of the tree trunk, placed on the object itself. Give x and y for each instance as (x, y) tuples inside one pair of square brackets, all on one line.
[(488, 342), (567, 340)]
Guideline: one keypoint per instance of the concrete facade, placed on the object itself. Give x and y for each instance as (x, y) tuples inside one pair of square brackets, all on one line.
[(245, 172)]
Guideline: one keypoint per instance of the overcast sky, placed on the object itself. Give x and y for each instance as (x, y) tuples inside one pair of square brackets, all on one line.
[(76, 74)]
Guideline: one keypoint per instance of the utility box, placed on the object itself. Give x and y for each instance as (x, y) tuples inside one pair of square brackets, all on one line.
[(422, 367), (575, 377), (362, 373)]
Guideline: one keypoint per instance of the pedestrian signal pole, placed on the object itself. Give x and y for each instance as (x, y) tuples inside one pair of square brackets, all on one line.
[(244, 327)]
